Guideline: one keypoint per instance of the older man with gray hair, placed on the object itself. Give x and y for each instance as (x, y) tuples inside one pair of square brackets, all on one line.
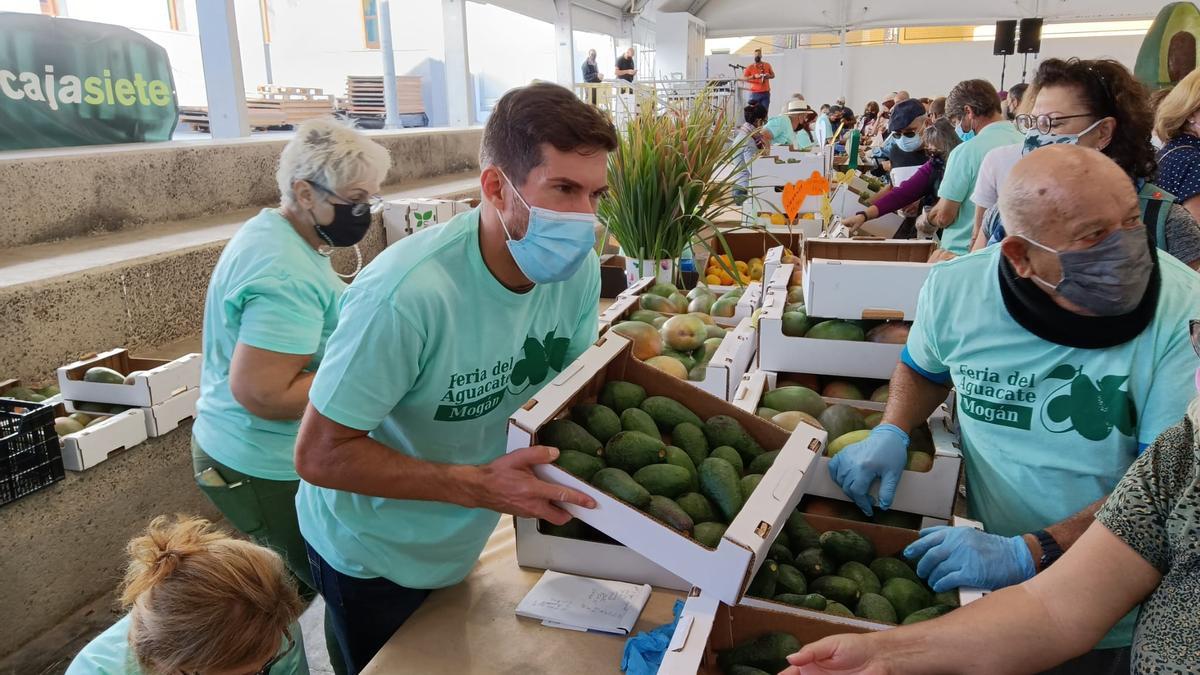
[(1067, 347)]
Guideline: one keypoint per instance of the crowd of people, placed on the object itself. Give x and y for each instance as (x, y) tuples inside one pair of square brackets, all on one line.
[(357, 434)]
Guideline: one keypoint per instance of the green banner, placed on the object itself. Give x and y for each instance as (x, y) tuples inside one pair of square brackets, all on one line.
[(65, 82)]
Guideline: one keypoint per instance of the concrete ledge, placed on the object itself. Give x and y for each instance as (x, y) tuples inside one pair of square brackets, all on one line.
[(70, 193), (64, 546)]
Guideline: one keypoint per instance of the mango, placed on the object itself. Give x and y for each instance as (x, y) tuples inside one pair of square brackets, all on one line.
[(802, 399), (702, 303), (646, 316), (704, 318), (663, 289), (710, 348), (889, 332), (880, 395), (716, 332), (873, 420), (766, 413), (793, 418), (796, 324), (679, 302), (841, 442), (725, 306), (670, 366), (657, 303), (842, 389), (647, 342), (919, 461), (65, 426), (685, 358), (836, 330), (103, 375), (840, 420)]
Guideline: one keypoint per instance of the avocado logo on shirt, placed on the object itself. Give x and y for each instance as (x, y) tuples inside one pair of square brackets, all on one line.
[(1090, 408), (477, 392)]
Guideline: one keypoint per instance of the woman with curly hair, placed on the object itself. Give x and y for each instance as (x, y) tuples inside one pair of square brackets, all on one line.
[(1100, 104), (200, 601)]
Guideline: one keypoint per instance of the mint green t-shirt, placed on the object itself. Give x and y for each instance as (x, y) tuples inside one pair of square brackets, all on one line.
[(432, 355), (958, 183), (109, 654), (1047, 429), (273, 291)]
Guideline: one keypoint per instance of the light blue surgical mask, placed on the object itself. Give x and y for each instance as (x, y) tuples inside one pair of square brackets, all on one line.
[(964, 136), (1035, 139), (909, 144), (555, 243)]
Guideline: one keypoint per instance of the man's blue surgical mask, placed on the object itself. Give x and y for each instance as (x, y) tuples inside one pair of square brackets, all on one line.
[(555, 242), (964, 136), (909, 144)]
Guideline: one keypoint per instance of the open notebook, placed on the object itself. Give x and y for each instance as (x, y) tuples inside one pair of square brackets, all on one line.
[(582, 603)]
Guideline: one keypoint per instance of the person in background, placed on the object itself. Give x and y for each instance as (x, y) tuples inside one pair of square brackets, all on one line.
[(1100, 104), (974, 107), (759, 75), (1140, 550), (752, 139), (626, 70), (403, 447), (937, 109), (938, 141), (272, 304), (1069, 355), (904, 147), (1177, 125), (848, 122), (841, 101), (591, 72), (791, 128), (902, 96), (870, 116), (926, 101), (824, 125), (1016, 98), (199, 601)]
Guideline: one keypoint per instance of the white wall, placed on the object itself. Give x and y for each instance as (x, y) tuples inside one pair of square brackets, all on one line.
[(500, 60), (923, 70)]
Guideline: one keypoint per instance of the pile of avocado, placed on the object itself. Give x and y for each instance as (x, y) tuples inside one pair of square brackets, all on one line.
[(658, 456), (838, 572)]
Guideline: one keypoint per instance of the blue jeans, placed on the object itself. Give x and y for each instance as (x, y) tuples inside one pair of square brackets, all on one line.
[(762, 97), (365, 612)]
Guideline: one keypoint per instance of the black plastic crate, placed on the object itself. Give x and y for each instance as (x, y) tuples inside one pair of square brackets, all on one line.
[(30, 456)]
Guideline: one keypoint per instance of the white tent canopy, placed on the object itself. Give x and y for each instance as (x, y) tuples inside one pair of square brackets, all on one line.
[(731, 18)]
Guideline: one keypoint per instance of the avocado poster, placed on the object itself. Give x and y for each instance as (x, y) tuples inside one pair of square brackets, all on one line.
[(1170, 49), (65, 82)]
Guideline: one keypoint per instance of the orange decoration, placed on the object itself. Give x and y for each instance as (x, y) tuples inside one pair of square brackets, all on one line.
[(794, 194)]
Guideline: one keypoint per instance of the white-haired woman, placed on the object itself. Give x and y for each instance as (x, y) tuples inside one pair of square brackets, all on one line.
[(272, 303)]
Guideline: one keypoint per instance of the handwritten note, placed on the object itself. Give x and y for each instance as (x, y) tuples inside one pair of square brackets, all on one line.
[(582, 603)]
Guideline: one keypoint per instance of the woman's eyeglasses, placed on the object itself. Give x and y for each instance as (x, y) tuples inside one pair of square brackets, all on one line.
[(906, 134), (373, 204), (1043, 123)]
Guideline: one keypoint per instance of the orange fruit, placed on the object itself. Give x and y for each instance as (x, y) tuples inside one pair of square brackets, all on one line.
[(741, 266), (726, 280), (713, 280)]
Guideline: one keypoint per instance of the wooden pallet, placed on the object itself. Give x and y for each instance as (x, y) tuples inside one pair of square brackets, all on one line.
[(364, 95), (271, 107)]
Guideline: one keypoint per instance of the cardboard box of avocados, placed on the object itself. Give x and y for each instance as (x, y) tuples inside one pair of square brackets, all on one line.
[(707, 629), (147, 382), (725, 570), (928, 493), (783, 353), (864, 278), (729, 363)]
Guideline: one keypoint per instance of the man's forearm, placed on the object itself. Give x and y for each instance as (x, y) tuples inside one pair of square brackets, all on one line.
[(912, 398), (1065, 532), (365, 466)]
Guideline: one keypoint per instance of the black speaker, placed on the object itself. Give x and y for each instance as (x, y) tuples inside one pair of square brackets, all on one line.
[(1031, 36), (1006, 38)]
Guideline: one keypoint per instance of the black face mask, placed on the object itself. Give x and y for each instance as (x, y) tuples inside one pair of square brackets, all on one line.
[(758, 59), (348, 226)]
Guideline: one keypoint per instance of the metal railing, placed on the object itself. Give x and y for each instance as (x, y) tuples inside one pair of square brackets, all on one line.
[(649, 97)]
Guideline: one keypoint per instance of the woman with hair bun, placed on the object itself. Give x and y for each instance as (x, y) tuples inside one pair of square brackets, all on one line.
[(199, 601)]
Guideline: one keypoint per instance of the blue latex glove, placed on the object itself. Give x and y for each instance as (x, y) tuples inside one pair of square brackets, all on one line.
[(881, 455), (644, 652), (964, 556)]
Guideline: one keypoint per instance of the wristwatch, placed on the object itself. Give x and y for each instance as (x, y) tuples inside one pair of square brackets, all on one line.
[(1051, 551)]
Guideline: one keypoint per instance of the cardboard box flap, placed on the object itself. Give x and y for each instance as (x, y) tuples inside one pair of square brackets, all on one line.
[(726, 571), (885, 250)]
